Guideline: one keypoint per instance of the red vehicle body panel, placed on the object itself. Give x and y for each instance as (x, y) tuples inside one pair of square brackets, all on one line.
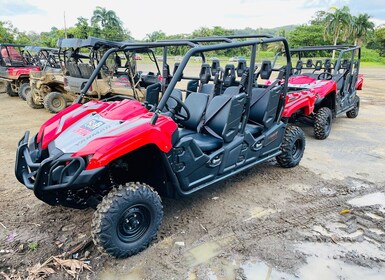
[(107, 148), (305, 99), (299, 100), (15, 72), (360, 82)]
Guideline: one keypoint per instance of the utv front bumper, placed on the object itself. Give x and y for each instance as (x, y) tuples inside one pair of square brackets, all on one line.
[(50, 170)]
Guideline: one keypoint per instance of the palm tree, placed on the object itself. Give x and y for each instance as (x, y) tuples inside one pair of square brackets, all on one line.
[(338, 24), (361, 26), (105, 18)]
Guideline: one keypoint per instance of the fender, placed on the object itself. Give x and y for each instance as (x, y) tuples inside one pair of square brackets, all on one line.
[(360, 82), (299, 100)]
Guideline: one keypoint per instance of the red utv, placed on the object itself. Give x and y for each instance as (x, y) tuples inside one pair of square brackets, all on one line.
[(15, 68), (333, 85), (118, 154)]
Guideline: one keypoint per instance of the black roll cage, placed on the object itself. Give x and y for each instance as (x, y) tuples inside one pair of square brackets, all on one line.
[(342, 49), (226, 42)]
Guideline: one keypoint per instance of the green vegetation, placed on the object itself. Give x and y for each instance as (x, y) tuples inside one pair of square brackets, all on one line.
[(334, 26), (32, 246)]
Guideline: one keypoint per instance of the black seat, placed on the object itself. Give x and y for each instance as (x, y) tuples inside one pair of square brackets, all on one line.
[(241, 67), (328, 64), (86, 70), (229, 75), (266, 70), (223, 116), (152, 94), (318, 65), (298, 67), (171, 104), (215, 66), (263, 109), (196, 103), (73, 69), (309, 63)]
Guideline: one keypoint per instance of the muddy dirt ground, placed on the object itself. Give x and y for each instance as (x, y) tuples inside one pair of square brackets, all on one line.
[(324, 219)]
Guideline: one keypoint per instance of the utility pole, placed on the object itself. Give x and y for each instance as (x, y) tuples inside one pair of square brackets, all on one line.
[(65, 26)]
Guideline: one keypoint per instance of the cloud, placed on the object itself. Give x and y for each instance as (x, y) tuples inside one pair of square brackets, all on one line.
[(18, 7)]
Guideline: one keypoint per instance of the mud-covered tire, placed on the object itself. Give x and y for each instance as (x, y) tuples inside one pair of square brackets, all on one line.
[(3, 86), (9, 90), (23, 90), (55, 102), (353, 113), (31, 102), (323, 123), (292, 147), (127, 220)]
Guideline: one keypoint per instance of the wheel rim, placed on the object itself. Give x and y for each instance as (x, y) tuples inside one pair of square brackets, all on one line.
[(57, 103), (134, 223), (297, 148)]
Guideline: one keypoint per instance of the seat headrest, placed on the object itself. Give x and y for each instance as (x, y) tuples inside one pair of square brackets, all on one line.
[(345, 63), (176, 65), (266, 69), (318, 65), (228, 75), (328, 63), (215, 65), (205, 73), (309, 63), (299, 65), (241, 67)]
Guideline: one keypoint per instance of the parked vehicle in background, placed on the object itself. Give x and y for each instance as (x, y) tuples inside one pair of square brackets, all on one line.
[(332, 84), (121, 74), (47, 84), (15, 69), (119, 155)]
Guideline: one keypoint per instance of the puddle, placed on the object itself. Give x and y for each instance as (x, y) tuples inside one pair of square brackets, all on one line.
[(261, 271), (326, 260), (133, 274), (369, 200), (206, 251), (259, 212)]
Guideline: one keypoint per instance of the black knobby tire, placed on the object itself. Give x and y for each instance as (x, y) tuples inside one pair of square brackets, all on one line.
[(23, 90), (127, 220), (323, 123), (31, 102), (353, 113), (54, 102), (292, 147)]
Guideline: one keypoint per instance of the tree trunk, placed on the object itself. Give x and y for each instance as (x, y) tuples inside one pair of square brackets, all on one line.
[(335, 44)]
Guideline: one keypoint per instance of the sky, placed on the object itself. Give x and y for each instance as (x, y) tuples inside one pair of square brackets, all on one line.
[(179, 16)]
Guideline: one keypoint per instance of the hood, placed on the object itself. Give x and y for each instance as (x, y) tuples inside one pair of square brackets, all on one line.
[(93, 116)]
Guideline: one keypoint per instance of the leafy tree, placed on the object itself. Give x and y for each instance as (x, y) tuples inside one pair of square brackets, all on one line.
[(111, 27), (82, 29), (379, 34), (155, 36), (338, 24), (361, 26), (307, 35), (106, 18), (6, 32)]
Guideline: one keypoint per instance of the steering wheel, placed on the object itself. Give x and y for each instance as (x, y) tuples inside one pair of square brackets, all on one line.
[(176, 111), (324, 76)]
